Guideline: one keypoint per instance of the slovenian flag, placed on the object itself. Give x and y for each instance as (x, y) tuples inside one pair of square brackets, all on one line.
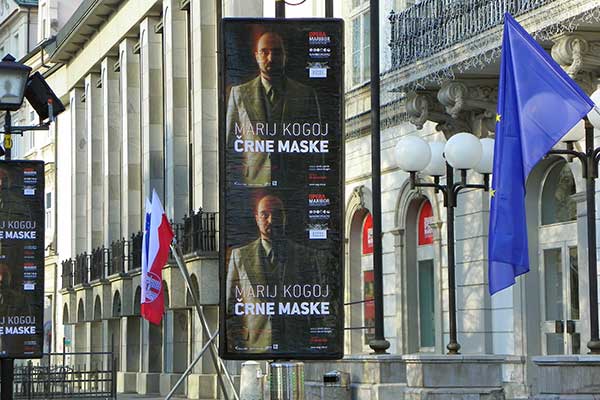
[(157, 238)]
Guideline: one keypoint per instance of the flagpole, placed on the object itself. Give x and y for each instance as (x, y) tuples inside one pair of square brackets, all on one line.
[(218, 363), (192, 365)]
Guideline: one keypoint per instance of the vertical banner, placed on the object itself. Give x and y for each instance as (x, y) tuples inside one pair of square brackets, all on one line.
[(281, 180), (21, 259)]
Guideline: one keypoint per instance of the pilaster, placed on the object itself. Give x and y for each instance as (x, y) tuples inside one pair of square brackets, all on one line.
[(131, 174), (204, 104), (151, 79), (176, 109), (79, 171), (111, 137), (93, 113)]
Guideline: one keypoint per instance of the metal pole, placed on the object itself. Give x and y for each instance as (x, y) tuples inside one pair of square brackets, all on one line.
[(378, 343), (328, 8), (590, 185), (7, 364), (191, 366), (218, 363), (279, 8), (453, 346), (7, 136)]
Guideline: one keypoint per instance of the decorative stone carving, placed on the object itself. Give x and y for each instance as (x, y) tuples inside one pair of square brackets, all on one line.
[(358, 197), (422, 107), (579, 58), (452, 96), (471, 106), (417, 108)]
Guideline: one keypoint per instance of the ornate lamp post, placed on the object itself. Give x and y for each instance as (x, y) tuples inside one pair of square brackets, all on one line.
[(589, 167), (463, 151)]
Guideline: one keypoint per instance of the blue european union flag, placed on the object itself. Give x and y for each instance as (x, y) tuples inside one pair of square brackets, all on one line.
[(538, 103)]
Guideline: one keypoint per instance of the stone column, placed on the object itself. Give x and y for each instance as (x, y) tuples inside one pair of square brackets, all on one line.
[(144, 340), (79, 171), (93, 113), (111, 137), (124, 354), (151, 79), (106, 344), (168, 341), (204, 105), (131, 173), (176, 109)]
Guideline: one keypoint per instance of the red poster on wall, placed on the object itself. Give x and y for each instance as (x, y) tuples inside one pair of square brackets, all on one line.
[(425, 220), (367, 235)]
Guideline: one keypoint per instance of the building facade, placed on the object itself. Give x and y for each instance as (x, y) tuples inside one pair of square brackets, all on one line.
[(139, 81)]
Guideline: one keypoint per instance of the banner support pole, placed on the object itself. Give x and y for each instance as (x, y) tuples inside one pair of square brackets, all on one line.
[(218, 363), (192, 365)]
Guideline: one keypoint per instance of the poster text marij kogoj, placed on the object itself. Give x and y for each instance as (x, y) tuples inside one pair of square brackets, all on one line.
[(281, 189)]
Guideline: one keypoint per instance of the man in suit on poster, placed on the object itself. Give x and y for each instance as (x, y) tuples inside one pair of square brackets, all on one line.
[(272, 98), (257, 273)]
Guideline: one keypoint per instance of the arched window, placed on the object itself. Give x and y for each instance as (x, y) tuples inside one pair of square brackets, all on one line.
[(137, 301), (65, 314), (80, 311), (116, 306), (557, 203), (97, 309)]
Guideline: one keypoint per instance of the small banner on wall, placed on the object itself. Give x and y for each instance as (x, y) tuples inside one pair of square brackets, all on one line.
[(425, 220), (281, 147), (367, 235), (21, 259)]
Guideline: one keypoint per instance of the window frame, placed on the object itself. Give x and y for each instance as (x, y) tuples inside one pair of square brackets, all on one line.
[(359, 14)]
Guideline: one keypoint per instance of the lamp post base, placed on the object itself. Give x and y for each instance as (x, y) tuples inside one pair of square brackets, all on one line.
[(594, 346), (453, 348), (379, 346)]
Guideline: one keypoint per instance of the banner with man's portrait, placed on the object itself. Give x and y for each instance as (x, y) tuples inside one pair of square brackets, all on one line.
[(281, 180), (21, 259)]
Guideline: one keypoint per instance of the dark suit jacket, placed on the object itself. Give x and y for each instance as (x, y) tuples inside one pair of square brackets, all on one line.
[(250, 267), (248, 106)]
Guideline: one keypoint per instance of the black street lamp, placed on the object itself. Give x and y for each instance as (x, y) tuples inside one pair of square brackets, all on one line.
[(15, 84), (463, 152), (589, 168), (13, 79)]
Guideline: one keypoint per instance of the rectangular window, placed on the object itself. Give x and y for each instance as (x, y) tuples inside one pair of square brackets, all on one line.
[(361, 45), (49, 210)]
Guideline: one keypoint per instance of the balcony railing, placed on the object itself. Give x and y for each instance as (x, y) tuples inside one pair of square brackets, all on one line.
[(82, 267), (67, 274), (197, 234), (434, 25), (99, 263)]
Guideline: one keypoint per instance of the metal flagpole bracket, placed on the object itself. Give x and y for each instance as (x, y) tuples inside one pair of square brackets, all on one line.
[(218, 362)]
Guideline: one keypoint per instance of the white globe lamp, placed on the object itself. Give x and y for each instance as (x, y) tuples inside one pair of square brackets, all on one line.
[(486, 164), (412, 153), (437, 164), (463, 151)]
